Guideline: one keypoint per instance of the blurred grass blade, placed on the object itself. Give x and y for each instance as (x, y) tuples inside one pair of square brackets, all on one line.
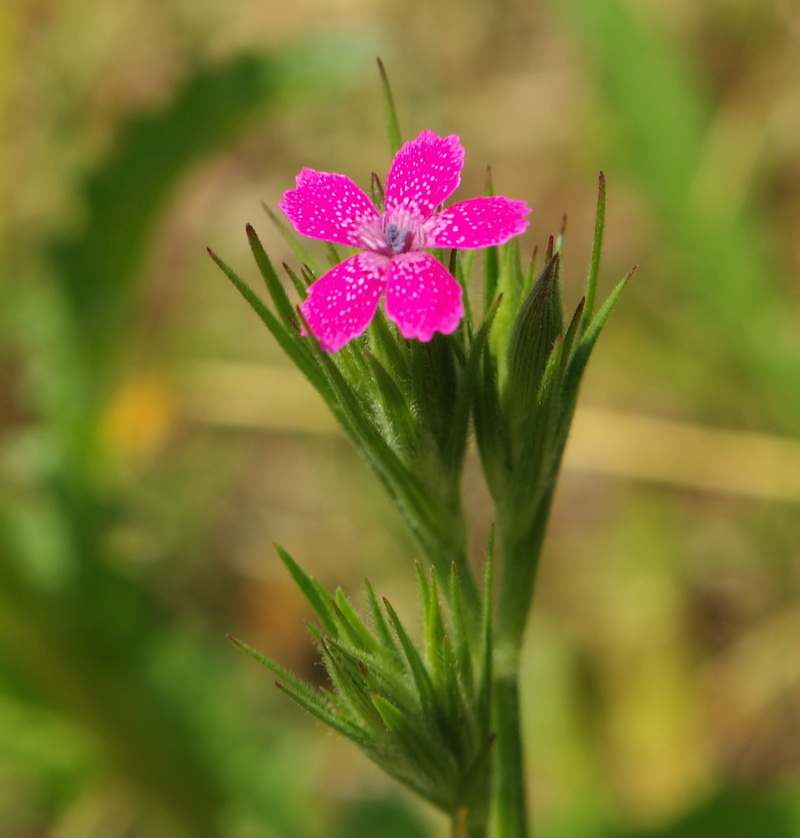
[(124, 195)]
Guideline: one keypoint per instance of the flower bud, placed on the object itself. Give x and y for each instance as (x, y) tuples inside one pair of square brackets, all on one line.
[(538, 325)]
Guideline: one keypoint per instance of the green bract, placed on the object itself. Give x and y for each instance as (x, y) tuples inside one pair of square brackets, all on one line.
[(421, 714)]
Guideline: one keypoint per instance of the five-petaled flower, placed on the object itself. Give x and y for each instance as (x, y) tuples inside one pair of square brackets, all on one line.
[(421, 295)]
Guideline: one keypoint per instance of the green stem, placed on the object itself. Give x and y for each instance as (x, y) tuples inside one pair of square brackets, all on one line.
[(508, 779), (522, 537)]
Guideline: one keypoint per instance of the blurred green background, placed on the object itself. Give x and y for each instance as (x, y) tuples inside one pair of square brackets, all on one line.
[(153, 442)]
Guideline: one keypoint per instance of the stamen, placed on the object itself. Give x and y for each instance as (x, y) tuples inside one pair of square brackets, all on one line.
[(398, 238)]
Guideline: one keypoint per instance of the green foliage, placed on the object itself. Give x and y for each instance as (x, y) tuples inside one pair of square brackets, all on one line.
[(421, 714)]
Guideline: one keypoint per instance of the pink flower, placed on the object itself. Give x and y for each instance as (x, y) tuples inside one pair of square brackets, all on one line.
[(421, 296)]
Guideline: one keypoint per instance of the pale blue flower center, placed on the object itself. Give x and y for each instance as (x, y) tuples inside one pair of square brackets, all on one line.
[(398, 238)]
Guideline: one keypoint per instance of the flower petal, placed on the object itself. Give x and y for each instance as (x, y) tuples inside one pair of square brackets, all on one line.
[(424, 173), (479, 222), (327, 206), (341, 303), (422, 297)]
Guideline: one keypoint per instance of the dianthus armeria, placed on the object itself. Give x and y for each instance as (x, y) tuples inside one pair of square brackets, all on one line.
[(420, 296)]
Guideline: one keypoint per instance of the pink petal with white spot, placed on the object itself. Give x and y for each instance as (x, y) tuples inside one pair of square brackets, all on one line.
[(327, 206), (422, 297), (479, 222), (341, 303), (424, 173)]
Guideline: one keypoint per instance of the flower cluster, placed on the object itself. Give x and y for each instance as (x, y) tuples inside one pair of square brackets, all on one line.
[(421, 296)]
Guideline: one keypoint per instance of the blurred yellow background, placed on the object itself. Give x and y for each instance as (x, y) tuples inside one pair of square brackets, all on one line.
[(155, 442)]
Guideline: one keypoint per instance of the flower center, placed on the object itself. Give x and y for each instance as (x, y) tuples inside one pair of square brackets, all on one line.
[(398, 238)]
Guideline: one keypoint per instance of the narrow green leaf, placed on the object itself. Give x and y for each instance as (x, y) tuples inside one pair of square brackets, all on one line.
[(485, 675), (597, 249), (530, 273), (572, 330), (297, 689), (433, 626), (377, 192), (463, 634), (300, 285), (277, 292), (491, 275), (334, 258), (585, 345), (311, 591), (351, 687), (551, 374), (392, 123), (354, 627), (289, 340), (379, 623), (418, 671), (463, 273)]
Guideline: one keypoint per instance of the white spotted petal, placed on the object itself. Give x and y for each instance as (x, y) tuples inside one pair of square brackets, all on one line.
[(424, 174), (478, 222), (422, 297), (327, 206), (343, 301)]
